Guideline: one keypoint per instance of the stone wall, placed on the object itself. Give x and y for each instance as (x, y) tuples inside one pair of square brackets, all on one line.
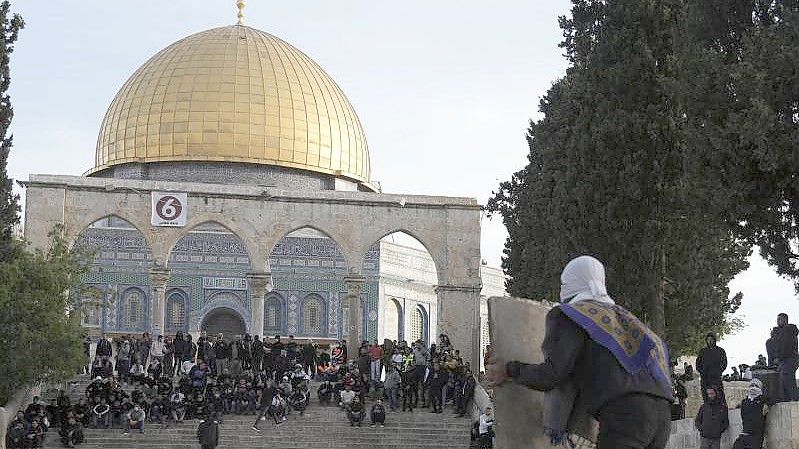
[(782, 429), (735, 392)]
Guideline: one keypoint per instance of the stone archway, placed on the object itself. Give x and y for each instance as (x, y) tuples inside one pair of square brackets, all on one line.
[(224, 320)]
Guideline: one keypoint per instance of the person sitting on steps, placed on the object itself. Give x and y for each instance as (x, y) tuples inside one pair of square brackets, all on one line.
[(378, 413)]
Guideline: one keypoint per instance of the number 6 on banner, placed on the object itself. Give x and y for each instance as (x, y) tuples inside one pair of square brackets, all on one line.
[(169, 209)]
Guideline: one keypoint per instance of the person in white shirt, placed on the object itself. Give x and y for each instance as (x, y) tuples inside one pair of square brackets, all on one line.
[(157, 349), (486, 429), (346, 396)]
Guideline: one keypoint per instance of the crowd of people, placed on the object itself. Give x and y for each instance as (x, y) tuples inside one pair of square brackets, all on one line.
[(777, 370), (137, 381)]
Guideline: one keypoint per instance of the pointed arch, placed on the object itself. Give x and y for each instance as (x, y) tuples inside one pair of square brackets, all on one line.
[(274, 314), (116, 242), (176, 311), (419, 325), (337, 241), (313, 316), (133, 309), (202, 243), (407, 239)]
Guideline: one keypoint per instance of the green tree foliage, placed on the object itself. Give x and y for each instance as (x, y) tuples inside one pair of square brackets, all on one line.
[(610, 175), (40, 332), (9, 202), (742, 87)]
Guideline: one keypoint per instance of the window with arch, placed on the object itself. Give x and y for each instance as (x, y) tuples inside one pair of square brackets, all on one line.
[(418, 328), (133, 309), (312, 315), (91, 307), (175, 319), (273, 314)]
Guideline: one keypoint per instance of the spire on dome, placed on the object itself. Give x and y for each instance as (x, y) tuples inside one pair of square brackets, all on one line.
[(240, 4)]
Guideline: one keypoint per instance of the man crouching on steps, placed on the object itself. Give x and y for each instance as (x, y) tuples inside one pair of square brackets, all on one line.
[(612, 359)]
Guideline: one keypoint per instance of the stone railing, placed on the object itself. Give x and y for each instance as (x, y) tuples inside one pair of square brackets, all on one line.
[(735, 392), (782, 429)]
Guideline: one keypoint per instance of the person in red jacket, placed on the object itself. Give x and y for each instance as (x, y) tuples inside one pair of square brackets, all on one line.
[(376, 356)]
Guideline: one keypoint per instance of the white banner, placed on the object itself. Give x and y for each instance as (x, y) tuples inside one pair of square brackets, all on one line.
[(169, 209)]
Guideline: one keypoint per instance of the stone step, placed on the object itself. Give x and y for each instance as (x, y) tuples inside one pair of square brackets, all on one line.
[(319, 427)]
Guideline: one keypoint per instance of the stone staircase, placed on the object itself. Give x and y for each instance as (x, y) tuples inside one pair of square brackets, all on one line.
[(320, 427)]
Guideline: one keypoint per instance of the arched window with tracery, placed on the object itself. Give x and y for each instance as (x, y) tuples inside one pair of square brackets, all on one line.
[(313, 318), (133, 309), (418, 327), (175, 319), (91, 307), (273, 315)]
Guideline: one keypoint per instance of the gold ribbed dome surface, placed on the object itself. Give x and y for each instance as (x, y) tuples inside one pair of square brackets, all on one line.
[(234, 94)]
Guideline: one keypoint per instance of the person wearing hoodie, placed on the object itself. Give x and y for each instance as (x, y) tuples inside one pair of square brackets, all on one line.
[(786, 356), (626, 388), (711, 364), (754, 409), (712, 420)]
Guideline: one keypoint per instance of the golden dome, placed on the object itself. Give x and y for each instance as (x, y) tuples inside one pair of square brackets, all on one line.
[(234, 94)]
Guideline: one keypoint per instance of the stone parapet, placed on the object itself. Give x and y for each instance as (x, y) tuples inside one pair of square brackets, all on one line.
[(735, 392), (782, 429)]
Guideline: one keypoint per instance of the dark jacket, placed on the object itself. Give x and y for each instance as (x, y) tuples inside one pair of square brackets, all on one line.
[(786, 342), (103, 348), (221, 350), (208, 433), (752, 418), (712, 419), (712, 362), (573, 355)]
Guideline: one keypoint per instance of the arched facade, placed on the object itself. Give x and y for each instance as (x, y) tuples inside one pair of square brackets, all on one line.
[(449, 228), (209, 265)]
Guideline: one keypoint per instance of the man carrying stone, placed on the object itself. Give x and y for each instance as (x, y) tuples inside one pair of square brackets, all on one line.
[(617, 364)]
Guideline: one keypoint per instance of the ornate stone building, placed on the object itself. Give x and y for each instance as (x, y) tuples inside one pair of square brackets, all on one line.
[(231, 192)]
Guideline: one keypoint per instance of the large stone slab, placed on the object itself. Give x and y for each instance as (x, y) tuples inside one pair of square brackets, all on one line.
[(517, 331)]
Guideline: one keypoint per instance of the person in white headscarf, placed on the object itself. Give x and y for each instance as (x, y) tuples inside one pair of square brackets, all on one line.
[(583, 279), (754, 408), (630, 399)]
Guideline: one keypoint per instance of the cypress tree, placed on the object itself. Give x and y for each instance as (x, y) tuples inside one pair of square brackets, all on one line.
[(9, 202)]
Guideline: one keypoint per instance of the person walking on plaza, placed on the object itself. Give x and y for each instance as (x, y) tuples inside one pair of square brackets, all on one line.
[(627, 389), (787, 356), (712, 421), (711, 364)]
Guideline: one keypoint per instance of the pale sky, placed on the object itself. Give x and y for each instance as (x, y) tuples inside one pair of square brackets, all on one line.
[(444, 90)]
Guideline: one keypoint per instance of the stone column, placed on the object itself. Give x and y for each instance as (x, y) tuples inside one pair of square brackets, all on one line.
[(354, 285), (259, 284), (459, 318), (158, 279)]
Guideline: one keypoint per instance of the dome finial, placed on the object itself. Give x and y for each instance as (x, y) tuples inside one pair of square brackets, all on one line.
[(241, 4)]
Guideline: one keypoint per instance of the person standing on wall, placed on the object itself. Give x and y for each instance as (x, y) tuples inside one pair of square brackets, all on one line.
[(711, 364), (786, 356), (588, 346)]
